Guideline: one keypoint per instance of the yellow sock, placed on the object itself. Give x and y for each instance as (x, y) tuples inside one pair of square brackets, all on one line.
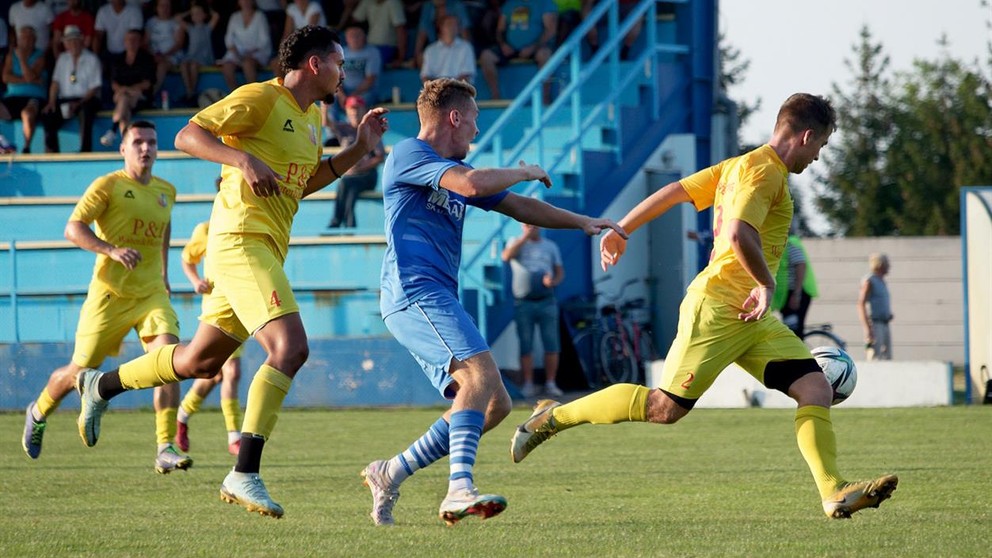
[(191, 402), (45, 404), (151, 369), (268, 388), (817, 443), (232, 414), (165, 425), (617, 403)]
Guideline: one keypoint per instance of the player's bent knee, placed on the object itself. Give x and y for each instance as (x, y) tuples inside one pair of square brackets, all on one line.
[(667, 408)]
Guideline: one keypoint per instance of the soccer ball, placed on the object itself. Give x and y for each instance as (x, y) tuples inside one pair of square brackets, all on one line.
[(209, 97), (839, 369)]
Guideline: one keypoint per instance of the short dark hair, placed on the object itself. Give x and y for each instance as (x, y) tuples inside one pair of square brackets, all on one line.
[(138, 124), (305, 42), (803, 111), (443, 94)]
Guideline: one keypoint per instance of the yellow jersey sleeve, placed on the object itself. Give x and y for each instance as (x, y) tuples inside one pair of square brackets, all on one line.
[(195, 249), (702, 185)]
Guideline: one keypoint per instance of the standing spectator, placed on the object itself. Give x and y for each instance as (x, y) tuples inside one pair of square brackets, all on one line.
[(387, 28), (132, 73), (795, 286), (875, 309), (197, 27), (362, 66), (73, 15), (526, 30), (451, 56), (431, 17), (36, 14), (74, 92), (363, 176), (537, 269), (25, 76), (113, 21), (301, 13), (164, 40), (248, 44)]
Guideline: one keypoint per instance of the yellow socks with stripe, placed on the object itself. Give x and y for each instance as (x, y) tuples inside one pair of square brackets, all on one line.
[(165, 425), (232, 414), (152, 369), (817, 443), (617, 403), (265, 395), (45, 405)]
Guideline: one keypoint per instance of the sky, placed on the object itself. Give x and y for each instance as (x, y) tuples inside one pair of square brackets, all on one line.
[(801, 45)]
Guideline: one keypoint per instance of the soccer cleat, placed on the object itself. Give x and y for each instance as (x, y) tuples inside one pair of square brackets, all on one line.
[(234, 447), (248, 491), (34, 430), (384, 494), (535, 430), (459, 505), (854, 496), (91, 406), (169, 460), (182, 436)]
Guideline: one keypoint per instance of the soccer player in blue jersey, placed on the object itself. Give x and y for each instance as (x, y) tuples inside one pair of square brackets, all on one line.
[(426, 190)]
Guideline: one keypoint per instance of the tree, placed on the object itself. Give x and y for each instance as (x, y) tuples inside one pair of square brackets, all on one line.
[(733, 70)]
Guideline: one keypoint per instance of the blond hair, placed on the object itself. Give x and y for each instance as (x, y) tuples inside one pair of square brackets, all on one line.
[(876, 261), (441, 95)]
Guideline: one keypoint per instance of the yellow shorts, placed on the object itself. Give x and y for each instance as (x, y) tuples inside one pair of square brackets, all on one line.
[(250, 286), (711, 336), (105, 319)]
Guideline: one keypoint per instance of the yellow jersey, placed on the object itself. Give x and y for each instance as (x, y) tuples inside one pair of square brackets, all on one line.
[(265, 120), (196, 248), (753, 188), (130, 214)]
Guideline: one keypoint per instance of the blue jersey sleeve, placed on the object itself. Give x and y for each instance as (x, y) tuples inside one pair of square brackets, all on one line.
[(417, 164)]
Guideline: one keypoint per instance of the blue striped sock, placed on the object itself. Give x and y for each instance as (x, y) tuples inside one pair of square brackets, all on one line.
[(466, 429), (430, 447)]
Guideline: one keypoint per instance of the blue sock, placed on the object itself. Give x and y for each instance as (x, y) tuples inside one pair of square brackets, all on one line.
[(430, 447), (466, 429)]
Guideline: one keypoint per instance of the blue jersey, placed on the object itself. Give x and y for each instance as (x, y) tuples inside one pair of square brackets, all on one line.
[(423, 225)]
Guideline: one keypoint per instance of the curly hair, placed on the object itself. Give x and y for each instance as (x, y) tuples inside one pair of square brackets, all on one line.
[(305, 42)]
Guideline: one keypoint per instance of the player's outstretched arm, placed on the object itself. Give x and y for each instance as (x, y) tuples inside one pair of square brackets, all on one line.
[(540, 213), (473, 183)]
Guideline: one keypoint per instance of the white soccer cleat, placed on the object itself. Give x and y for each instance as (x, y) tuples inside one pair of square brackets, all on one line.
[(169, 460), (463, 503), (248, 491), (384, 494), (91, 405), (855, 496), (534, 431)]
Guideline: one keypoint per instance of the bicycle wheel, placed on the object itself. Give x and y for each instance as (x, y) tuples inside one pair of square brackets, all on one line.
[(617, 359), (586, 343), (822, 338)]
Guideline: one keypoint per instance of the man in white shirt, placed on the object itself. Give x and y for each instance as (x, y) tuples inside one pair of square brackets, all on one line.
[(449, 56), (113, 21), (74, 92), (35, 14)]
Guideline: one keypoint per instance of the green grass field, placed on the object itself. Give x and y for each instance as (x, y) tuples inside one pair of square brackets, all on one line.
[(720, 483)]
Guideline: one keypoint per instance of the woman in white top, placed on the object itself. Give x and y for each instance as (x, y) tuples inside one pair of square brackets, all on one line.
[(302, 13), (248, 44)]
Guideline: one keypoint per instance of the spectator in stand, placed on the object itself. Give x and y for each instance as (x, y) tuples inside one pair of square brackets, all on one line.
[(362, 66), (132, 74), (113, 21), (569, 17), (74, 92), (25, 77), (36, 14), (364, 175), (74, 15), (526, 30), (795, 285), (431, 16), (387, 29), (342, 18), (624, 8), (196, 26), (451, 56), (875, 309), (301, 13), (248, 44), (485, 18), (164, 40)]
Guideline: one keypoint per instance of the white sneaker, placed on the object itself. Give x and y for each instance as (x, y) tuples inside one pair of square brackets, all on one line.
[(384, 494), (529, 390), (248, 491), (169, 459), (459, 505), (553, 390), (108, 138)]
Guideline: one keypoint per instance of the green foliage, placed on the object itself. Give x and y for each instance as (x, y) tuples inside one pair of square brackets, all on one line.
[(720, 483)]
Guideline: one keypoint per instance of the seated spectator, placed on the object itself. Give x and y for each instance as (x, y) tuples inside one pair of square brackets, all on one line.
[(431, 16), (625, 7), (569, 17), (73, 15), (526, 30), (300, 13), (363, 176), (164, 40), (113, 21), (132, 74), (35, 14), (362, 66), (248, 44), (485, 17), (25, 77), (451, 56), (387, 28), (74, 92), (196, 26)]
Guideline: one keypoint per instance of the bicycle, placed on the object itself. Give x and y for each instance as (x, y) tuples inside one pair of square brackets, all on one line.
[(822, 335)]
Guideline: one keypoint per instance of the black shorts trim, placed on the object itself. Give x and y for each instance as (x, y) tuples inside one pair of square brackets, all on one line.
[(686, 404), (781, 374)]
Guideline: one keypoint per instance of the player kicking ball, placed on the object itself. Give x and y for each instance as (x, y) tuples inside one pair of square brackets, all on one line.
[(724, 316)]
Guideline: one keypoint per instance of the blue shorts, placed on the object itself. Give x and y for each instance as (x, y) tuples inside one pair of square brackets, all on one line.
[(436, 329), (542, 313)]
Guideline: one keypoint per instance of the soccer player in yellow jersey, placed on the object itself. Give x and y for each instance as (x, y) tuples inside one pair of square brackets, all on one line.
[(132, 210), (724, 316), (270, 151), (230, 373)]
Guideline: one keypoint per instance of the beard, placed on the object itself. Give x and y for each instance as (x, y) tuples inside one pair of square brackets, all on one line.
[(329, 98)]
